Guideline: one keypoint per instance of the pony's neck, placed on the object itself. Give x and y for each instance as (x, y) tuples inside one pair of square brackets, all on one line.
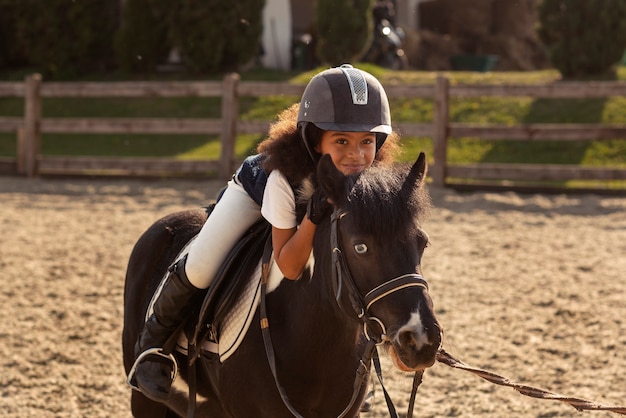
[(322, 281)]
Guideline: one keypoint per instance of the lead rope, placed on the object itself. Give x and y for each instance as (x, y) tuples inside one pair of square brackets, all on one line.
[(530, 391), (578, 403), (449, 360)]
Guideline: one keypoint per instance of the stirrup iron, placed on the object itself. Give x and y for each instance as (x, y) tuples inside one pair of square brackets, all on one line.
[(131, 381)]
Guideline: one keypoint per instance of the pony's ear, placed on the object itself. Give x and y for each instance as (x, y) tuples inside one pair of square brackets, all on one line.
[(419, 169), (330, 179), (416, 175)]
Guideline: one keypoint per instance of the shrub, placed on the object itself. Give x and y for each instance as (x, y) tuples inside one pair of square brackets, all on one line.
[(217, 35), (344, 29), (583, 38), (10, 55), (66, 38), (142, 41)]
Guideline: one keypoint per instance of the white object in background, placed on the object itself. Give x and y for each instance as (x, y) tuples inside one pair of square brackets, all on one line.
[(276, 38)]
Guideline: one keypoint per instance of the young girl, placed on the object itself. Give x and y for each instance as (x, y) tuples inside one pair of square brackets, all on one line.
[(344, 112)]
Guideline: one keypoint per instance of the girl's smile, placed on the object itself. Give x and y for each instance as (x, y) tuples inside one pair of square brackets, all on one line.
[(351, 152)]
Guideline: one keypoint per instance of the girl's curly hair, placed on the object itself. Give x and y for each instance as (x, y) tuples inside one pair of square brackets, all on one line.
[(284, 148)]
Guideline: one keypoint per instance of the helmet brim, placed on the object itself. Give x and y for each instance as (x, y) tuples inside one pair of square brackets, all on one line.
[(353, 127)]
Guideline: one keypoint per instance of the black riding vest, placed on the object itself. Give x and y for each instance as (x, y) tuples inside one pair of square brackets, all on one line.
[(253, 178)]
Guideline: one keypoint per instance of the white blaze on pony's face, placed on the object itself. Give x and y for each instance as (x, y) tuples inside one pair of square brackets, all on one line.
[(416, 323), (415, 329)]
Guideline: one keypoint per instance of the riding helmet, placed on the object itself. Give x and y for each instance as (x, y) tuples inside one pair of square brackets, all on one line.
[(345, 99)]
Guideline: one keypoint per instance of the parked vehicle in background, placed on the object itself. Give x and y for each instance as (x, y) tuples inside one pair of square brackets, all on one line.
[(386, 48)]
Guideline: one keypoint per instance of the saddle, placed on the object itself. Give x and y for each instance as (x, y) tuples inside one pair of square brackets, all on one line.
[(230, 302)]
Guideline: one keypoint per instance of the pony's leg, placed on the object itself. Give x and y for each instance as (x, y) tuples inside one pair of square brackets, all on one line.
[(171, 305)]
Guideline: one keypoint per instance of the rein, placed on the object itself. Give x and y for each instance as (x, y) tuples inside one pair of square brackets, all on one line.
[(360, 306)]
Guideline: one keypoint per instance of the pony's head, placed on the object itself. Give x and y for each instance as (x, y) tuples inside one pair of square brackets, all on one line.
[(377, 244)]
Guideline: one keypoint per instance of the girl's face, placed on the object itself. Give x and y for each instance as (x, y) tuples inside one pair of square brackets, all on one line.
[(351, 152)]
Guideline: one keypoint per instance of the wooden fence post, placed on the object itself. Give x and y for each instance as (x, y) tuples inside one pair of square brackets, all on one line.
[(440, 139), (230, 114), (31, 141)]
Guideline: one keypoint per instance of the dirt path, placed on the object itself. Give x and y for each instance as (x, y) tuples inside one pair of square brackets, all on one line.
[(528, 286)]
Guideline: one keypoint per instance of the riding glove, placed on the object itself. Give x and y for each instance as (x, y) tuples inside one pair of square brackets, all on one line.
[(318, 207)]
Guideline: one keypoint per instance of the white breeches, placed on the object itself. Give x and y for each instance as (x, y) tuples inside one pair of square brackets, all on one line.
[(232, 216)]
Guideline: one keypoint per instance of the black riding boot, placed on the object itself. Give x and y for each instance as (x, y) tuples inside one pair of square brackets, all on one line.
[(154, 373)]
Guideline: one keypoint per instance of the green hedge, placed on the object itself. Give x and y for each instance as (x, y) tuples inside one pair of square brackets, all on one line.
[(59, 37), (344, 29), (142, 42), (584, 38), (217, 35), (68, 39)]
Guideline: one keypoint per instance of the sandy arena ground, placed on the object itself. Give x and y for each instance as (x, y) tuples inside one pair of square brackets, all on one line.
[(532, 287)]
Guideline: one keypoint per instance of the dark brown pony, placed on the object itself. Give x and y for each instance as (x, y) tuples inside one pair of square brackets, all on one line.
[(365, 284)]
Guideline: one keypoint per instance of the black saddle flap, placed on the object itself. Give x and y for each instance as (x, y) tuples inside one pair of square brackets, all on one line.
[(231, 278)]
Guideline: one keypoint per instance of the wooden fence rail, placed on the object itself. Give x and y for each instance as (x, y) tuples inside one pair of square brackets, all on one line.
[(531, 132), (30, 127)]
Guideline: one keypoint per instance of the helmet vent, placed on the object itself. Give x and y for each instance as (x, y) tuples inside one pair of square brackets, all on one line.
[(358, 85)]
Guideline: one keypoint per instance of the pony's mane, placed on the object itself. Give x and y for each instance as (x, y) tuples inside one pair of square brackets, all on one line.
[(379, 206)]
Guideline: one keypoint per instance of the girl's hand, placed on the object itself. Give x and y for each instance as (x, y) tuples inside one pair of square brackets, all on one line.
[(318, 207)]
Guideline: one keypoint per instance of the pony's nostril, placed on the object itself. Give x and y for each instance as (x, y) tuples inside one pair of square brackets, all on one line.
[(405, 339), (411, 340)]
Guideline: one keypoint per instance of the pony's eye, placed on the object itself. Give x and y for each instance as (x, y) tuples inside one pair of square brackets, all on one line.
[(360, 248)]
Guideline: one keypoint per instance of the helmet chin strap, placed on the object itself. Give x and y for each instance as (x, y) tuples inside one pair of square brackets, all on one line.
[(380, 140), (311, 152)]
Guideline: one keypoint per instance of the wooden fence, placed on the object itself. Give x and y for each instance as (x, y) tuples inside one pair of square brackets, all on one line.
[(29, 128)]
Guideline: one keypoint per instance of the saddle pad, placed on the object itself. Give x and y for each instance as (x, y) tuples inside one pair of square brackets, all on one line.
[(238, 320)]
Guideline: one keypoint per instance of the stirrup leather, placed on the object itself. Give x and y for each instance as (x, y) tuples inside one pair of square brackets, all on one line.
[(132, 382)]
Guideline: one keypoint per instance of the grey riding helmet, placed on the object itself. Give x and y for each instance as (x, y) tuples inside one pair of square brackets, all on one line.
[(345, 99)]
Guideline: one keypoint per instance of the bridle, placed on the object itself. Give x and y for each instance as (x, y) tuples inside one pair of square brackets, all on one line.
[(360, 305)]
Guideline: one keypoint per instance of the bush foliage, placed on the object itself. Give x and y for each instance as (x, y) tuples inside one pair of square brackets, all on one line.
[(584, 38), (142, 42), (59, 37), (64, 38), (344, 29), (10, 54), (217, 35)]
